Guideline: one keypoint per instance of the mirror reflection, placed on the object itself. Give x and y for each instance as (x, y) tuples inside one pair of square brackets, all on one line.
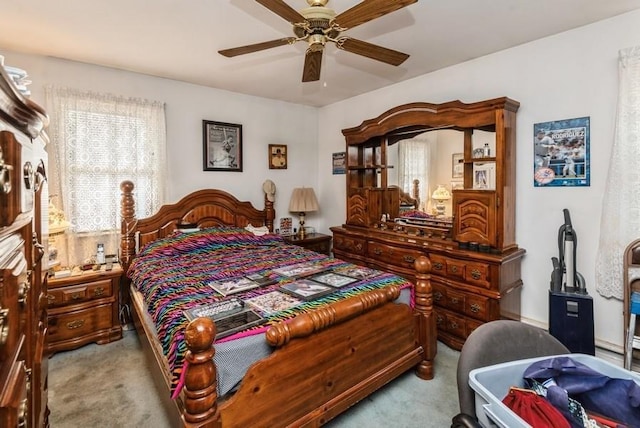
[(429, 166)]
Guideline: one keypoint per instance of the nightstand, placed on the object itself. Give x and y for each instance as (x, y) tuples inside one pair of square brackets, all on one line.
[(312, 241), (83, 308)]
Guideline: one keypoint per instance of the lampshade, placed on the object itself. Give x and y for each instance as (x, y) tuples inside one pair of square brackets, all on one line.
[(441, 193), (58, 224), (303, 200)]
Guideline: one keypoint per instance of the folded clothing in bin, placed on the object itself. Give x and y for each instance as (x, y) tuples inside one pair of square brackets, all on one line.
[(618, 399)]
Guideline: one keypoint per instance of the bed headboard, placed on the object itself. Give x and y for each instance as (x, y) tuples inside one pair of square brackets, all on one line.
[(206, 208)]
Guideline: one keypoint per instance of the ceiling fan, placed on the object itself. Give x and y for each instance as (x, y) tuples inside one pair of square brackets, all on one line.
[(319, 24)]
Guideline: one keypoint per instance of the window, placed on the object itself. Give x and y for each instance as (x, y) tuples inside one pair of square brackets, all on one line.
[(97, 141)]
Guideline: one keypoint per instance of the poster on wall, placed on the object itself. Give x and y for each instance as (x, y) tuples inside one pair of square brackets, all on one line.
[(561, 153), (339, 162)]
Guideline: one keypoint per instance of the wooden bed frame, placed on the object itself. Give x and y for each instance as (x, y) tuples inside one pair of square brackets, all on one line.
[(323, 361)]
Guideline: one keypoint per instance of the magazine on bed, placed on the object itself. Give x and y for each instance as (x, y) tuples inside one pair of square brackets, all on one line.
[(230, 316), (299, 269), (333, 279), (262, 278), (272, 302), (307, 289), (358, 272), (234, 285)]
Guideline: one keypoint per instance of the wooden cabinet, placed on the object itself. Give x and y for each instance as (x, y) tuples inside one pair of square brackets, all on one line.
[(317, 242), (475, 258), (23, 368), (83, 308)]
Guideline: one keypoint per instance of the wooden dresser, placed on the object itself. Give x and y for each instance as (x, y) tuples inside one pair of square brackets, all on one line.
[(23, 229), (83, 308), (474, 256)]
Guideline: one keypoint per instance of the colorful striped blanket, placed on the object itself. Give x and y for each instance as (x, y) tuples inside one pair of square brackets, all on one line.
[(173, 274)]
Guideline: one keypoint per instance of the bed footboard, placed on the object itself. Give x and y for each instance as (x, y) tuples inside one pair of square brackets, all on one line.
[(350, 349)]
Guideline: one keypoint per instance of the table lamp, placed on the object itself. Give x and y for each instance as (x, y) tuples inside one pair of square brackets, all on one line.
[(440, 195), (57, 226), (303, 200)]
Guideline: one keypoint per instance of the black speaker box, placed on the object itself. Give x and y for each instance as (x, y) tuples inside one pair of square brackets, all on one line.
[(571, 321)]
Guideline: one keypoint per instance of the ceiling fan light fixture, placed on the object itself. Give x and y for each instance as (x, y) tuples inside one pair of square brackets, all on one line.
[(317, 42)]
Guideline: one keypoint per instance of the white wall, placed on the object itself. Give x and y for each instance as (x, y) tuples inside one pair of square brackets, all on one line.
[(569, 75), (263, 122)]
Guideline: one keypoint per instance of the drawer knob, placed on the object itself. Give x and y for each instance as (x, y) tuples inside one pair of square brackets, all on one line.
[(439, 320), (377, 251), (454, 269), (4, 327), (438, 266), (453, 325), (454, 300), (72, 325), (5, 175), (76, 296), (437, 296), (51, 298), (98, 291), (475, 308), (475, 274), (409, 259), (23, 412), (23, 290)]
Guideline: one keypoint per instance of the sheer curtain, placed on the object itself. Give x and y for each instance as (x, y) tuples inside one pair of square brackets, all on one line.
[(97, 141), (414, 158), (620, 223)]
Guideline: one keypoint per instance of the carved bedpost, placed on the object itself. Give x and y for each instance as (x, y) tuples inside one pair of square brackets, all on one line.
[(427, 332), (270, 213), (128, 215), (127, 242), (200, 388)]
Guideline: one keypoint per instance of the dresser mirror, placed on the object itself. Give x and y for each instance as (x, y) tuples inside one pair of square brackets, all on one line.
[(434, 158)]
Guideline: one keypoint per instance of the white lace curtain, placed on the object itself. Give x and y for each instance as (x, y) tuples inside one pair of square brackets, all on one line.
[(97, 141), (414, 159), (620, 223)]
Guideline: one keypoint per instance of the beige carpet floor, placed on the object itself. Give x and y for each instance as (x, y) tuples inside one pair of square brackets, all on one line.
[(110, 386)]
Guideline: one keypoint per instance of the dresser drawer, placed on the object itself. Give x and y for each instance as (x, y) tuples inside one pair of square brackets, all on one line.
[(349, 244), (389, 254), (79, 323), (79, 293), (477, 307), (445, 266), (478, 274)]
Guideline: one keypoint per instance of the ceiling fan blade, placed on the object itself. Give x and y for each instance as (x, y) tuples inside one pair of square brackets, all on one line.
[(371, 51), (283, 10), (367, 10), (256, 47), (312, 63)]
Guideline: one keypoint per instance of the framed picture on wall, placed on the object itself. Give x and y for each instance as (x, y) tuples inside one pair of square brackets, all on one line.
[(277, 156), (339, 162), (222, 146), (561, 151), (457, 165)]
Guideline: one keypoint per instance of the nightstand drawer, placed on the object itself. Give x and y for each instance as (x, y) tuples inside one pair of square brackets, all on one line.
[(79, 293), (77, 324)]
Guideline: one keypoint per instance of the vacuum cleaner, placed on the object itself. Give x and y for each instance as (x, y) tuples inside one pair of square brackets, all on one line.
[(570, 306)]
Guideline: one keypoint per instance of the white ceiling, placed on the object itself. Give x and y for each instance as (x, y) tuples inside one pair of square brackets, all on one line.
[(180, 39)]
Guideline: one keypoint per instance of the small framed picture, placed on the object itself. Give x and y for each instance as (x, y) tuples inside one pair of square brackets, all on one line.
[(277, 156), (339, 161), (457, 165), (222, 146), (306, 289), (333, 279), (455, 185)]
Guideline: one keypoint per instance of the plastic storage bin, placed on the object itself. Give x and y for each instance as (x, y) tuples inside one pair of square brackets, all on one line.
[(491, 384)]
